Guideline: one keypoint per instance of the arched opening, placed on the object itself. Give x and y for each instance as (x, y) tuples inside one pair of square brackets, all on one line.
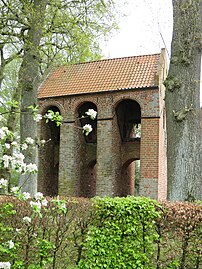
[(87, 151), (85, 119), (49, 156), (130, 176), (129, 120)]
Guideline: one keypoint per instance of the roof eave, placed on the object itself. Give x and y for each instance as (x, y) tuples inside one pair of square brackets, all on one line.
[(154, 87)]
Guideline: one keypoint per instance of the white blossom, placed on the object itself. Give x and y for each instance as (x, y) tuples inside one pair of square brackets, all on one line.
[(43, 141), (10, 244), (3, 183), (17, 230), (29, 140), (44, 202), (38, 196), (49, 116), (5, 129), (6, 160), (24, 146), (19, 157), (36, 204), (27, 219), (37, 117), (26, 195), (14, 189), (32, 168), (7, 145), (5, 265), (91, 113), (87, 129), (21, 167), (2, 134), (14, 143)]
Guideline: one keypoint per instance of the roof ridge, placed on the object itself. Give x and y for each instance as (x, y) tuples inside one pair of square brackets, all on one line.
[(110, 59)]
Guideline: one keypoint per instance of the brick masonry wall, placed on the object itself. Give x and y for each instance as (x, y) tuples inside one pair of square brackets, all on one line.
[(109, 152)]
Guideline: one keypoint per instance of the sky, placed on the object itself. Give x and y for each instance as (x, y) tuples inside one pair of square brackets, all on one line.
[(145, 29)]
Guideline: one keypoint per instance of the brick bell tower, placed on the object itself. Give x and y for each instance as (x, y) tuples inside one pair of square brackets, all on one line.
[(129, 131)]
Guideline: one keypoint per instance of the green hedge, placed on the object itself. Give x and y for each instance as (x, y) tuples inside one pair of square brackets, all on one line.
[(122, 234), (102, 233)]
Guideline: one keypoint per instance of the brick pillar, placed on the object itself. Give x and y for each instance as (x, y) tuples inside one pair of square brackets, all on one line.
[(68, 178), (105, 167), (149, 157)]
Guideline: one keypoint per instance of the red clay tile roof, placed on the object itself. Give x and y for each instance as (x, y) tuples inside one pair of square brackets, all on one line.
[(101, 76)]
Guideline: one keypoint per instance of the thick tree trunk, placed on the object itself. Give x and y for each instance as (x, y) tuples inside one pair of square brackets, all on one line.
[(28, 78), (183, 103)]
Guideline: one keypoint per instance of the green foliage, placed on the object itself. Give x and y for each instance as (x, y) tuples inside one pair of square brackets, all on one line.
[(53, 116), (52, 239), (122, 234), (107, 233)]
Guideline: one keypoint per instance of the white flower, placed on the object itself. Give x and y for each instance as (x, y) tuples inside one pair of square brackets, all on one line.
[(35, 205), (44, 202), (7, 145), (49, 116), (6, 160), (14, 143), (29, 140), (20, 157), (37, 117), (5, 265), (43, 141), (91, 113), (27, 219), (32, 168), (3, 183), (24, 146), (2, 134), (10, 244), (87, 129), (6, 131), (20, 167), (17, 230), (38, 196), (26, 195), (14, 189)]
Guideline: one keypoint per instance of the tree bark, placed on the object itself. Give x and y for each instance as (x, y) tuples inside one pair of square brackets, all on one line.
[(183, 103), (28, 77)]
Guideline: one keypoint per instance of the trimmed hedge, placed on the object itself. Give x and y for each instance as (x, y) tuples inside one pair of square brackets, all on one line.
[(106, 232)]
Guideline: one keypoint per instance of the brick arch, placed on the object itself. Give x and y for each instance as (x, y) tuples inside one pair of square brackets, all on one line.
[(128, 113), (79, 103), (128, 97), (46, 105)]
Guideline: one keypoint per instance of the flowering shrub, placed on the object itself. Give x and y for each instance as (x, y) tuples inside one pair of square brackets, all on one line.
[(39, 236), (41, 232)]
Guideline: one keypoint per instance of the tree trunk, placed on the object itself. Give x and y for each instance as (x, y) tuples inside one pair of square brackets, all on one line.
[(183, 103), (28, 78)]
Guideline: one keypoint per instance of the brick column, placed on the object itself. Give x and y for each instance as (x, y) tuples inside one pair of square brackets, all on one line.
[(149, 157), (68, 178), (105, 167)]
